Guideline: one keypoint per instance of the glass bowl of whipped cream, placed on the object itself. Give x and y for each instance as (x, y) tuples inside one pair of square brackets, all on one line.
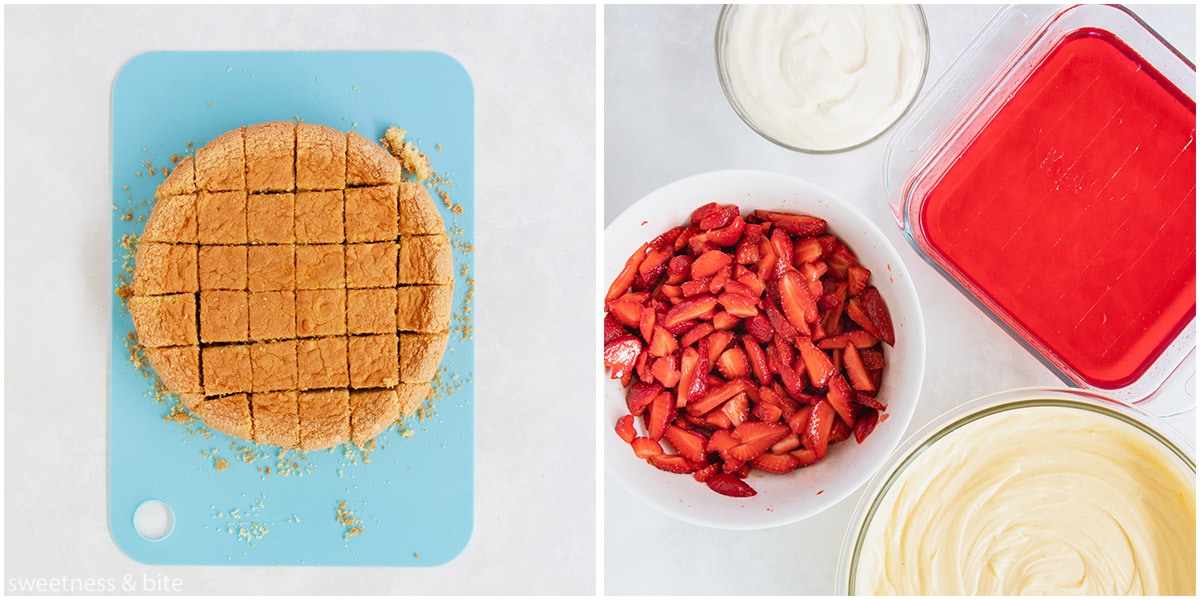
[(821, 78), (1031, 491)]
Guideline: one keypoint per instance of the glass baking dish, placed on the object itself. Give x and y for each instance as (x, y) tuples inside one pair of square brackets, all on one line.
[(1050, 175)]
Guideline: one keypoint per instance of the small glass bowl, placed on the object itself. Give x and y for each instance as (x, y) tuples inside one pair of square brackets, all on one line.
[(729, 13), (1156, 431)]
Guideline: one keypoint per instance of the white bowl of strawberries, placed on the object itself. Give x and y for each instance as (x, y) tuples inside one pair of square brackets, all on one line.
[(763, 349)]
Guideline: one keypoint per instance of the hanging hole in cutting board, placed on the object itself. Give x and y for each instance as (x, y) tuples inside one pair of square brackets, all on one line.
[(153, 520)]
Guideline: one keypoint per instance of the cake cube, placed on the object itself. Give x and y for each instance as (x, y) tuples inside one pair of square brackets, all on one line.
[(224, 316), (319, 217), (371, 310), (425, 259), (270, 156), (410, 397), (225, 369), (320, 267), (324, 418), (182, 180), (372, 411), (320, 312), (418, 214), (221, 164), (164, 320), (373, 361), (270, 218), (173, 220), (424, 308), (270, 268), (320, 158), (165, 269), (371, 214), (229, 415), (276, 418), (222, 267), (273, 366), (272, 315), (221, 217), (178, 367), (321, 363), (371, 265), (420, 355), (369, 164)]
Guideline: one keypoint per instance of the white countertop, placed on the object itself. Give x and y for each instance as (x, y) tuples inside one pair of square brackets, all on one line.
[(535, 484), (667, 118)]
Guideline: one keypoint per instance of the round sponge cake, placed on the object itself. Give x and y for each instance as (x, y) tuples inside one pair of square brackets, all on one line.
[(292, 288)]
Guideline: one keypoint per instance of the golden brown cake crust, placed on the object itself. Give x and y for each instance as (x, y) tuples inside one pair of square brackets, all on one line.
[(292, 288)]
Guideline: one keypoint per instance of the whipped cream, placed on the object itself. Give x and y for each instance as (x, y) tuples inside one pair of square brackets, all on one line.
[(1038, 500), (824, 77)]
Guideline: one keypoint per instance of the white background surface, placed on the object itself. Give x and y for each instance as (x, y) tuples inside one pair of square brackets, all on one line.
[(533, 70), (665, 118)]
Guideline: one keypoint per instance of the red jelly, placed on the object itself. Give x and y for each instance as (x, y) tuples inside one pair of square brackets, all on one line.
[(1072, 212)]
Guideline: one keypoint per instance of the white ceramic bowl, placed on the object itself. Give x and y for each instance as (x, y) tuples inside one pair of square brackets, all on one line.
[(781, 499)]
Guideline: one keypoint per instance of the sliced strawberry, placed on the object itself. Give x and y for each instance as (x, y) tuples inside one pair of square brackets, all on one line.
[(693, 308), (625, 278), (721, 441), (818, 364), (695, 334), (759, 327), (625, 429), (645, 447), (758, 360), (755, 438), (877, 311), (767, 412), (724, 321), (750, 280), (806, 249), (642, 367), (688, 444), (872, 358), (781, 242), (687, 375), (869, 401), (695, 287), (765, 267), (685, 237), (801, 225), (820, 425), (653, 265), (673, 463), (621, 354), (787, 444), (730, 485), (612, 328), (716, 219), (666, 370), (840, 260), (733, 363), (737, 409), (781, 325), (806, 457), (703, 475), (798, 422), (708, 263), (666, 240), (640, 395), (792, 381), (718, 396), (840, 432), (857, 277), (626, 312), (717, 342), (859, 338), (739, 305), (678, 269), (717, 283), (717, 420), (775, 463), (704, 211), (730, 234), (661, 412), (841, 398), (662, 343), (746, 253), (856, 371), (865, 425), (798, 304)]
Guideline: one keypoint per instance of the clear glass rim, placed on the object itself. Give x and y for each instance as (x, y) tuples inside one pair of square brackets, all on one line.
[(915, 445), (726, 14)]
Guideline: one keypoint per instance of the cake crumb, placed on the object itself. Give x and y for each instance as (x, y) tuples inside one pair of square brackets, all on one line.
[(352, 523), (220, 464), (413, 160)]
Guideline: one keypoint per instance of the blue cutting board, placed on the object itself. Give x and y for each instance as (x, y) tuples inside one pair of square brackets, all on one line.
[(407, 502)]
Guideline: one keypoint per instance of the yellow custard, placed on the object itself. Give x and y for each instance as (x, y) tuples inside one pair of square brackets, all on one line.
[(1036, 500)]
